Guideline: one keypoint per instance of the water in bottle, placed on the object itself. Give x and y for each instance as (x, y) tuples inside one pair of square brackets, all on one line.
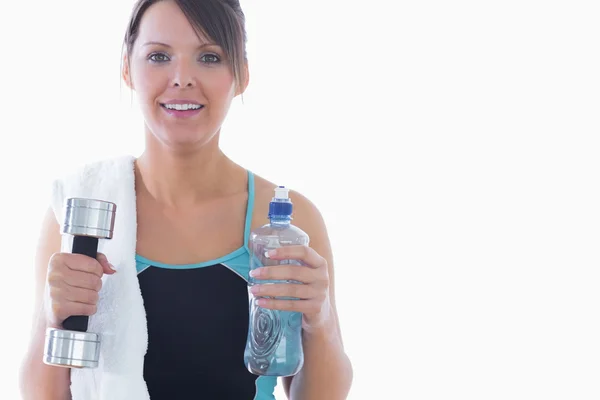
[(274, 344)]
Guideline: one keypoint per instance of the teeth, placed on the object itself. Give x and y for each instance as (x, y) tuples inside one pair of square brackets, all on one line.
[(182, 107)]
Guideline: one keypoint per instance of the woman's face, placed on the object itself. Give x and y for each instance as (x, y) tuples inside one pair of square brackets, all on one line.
[(183, 83)]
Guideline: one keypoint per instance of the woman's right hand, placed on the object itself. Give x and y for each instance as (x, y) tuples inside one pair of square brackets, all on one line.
[(72, 285)]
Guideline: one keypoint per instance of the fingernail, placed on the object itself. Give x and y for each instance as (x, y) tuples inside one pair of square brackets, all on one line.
[(272, 253), (254, 273), (255, 289), (112, 267)]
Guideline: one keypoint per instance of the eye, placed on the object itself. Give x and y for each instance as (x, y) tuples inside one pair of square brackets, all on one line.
[(158, 57), (210, 58)]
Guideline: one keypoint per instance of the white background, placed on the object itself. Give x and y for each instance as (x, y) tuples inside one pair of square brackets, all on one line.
[(451, 146)]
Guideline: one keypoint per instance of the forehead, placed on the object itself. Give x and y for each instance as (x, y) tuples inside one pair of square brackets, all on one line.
[(165, 22)]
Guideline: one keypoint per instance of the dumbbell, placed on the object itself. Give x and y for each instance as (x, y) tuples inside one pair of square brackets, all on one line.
[(85, 222)]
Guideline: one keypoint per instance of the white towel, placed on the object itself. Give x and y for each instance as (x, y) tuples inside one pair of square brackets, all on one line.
[(121, 318)]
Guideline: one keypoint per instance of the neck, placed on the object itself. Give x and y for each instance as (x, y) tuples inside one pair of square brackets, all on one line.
[(180, 179)]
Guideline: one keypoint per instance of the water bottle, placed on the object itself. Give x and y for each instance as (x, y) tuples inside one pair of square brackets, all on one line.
[(274, 343)]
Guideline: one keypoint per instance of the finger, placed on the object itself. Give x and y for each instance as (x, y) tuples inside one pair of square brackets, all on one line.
[(301, 253), (302, 306), (107, 267), (84, 280), (284, 290), (79, 295), (285, 272), (80, 262), (62, 310), (75, 295)]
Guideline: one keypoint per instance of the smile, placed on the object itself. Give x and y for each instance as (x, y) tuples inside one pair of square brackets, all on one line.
[(182, 110), (182, 107)]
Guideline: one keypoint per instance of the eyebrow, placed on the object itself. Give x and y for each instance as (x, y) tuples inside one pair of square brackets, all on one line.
[(166, 45)]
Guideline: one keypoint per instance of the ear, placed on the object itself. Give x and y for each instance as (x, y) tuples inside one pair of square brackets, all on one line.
[(245, 80), (126, 73)]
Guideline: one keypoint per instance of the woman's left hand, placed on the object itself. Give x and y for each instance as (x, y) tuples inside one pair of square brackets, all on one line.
[(312, 293)]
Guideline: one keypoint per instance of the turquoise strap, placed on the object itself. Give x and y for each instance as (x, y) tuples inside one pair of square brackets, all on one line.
[(250, 208)]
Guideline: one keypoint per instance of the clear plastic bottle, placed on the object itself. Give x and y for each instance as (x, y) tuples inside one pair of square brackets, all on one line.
[(274, 344)]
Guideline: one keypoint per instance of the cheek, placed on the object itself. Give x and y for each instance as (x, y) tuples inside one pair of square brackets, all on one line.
[(218, 85), (147, 83)]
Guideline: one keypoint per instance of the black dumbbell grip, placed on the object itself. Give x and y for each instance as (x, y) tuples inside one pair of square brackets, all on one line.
[(88, 246)]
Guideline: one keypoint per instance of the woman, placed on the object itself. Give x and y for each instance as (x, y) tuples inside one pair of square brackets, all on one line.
[(194, 209)]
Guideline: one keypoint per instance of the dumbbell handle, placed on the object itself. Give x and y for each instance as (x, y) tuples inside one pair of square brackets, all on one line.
[(88, 246)]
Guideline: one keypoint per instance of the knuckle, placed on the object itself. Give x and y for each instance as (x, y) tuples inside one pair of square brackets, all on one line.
[(89, 309), (56, 266), (281, 290), (53, 278), (56, 259), (293, 305), (81, 309), (293, 272), (266, 289), (323, 293), (56, 308), (305, 250), (59, 310), (93, 297), (322, 298), (268, 272), (297, 291), (55, 293), (94, 282), (94, 266), (83, 296), (312, 292), (314, 307)]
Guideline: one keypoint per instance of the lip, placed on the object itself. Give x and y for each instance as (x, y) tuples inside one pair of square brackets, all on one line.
[(182, 113), (180, 101)]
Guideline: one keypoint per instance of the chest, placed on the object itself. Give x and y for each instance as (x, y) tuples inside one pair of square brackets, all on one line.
[(193, 235)]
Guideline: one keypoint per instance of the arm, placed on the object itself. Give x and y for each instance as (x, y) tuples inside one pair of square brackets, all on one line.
[(39, 381), (327, 372)]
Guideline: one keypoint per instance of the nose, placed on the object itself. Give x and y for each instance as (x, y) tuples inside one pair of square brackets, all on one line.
[(183, 76)]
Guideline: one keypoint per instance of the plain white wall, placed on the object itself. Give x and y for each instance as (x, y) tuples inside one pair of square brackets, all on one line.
[(452, 148)]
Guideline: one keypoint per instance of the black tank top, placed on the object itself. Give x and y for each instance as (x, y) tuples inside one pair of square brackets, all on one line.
[(197, 318)]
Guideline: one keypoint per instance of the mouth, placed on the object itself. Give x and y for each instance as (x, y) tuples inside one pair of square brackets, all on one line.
[(182, 110)]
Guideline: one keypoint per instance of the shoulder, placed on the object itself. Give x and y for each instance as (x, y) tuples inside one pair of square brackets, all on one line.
[(80, 173), (94, 179)]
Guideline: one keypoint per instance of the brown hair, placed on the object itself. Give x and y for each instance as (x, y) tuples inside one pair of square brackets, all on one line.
[(222, 21)]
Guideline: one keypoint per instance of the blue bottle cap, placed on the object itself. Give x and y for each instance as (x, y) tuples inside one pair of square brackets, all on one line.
[(281, 205)]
